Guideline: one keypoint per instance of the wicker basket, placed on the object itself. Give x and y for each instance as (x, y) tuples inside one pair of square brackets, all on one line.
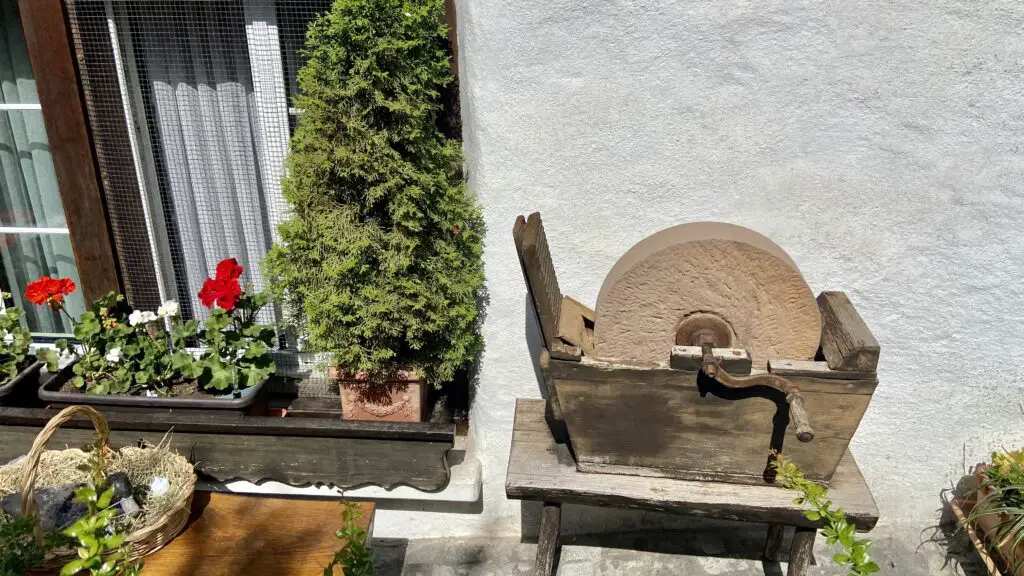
[(144, 541)]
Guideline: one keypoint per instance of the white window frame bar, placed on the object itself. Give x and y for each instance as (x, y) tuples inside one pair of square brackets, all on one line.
[(142, 155), (12, 106), (267, 70)]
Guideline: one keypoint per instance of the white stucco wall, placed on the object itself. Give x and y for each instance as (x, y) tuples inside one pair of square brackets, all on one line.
[(880, 143)]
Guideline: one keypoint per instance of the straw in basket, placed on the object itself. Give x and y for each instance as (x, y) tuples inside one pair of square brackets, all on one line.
[(155, 528)]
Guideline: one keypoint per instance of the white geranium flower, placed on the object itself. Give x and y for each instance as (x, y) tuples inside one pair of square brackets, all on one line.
[(8, 337), (150, 394), (139, 317), (240, 353), (169, 308), (113, 355)]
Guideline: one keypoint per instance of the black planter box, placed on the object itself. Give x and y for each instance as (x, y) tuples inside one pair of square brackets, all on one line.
[(239, 401), (24, 379)]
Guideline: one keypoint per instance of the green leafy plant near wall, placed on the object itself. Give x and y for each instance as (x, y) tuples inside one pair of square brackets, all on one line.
[(835, 527), (380, 263)]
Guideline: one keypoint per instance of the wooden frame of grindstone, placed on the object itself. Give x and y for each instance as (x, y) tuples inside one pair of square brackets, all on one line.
[(669, 420)]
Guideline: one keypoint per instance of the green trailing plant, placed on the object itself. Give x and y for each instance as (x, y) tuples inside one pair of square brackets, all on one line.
[(19, 550), (380, 263), (835, 527), (354, 557), (15, 340), (1000, 495), (101, 551)]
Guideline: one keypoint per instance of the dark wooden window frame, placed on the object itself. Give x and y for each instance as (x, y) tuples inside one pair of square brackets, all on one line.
[(74, 160)]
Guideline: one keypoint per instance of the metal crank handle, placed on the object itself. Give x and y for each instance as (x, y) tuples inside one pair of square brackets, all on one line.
[(797, 414)]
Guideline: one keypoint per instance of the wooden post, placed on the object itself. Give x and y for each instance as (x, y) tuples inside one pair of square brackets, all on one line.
[(547, 540), (49, 50), (802, 551), (773, 544)]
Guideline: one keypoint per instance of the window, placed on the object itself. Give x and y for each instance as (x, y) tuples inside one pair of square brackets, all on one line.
[(34, 236), (189, 105)]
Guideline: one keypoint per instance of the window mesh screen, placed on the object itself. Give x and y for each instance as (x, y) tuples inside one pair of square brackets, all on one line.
[(189, 105)]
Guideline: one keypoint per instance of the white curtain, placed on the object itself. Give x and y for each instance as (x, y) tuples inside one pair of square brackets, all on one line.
[(219, 176), (29, 197)]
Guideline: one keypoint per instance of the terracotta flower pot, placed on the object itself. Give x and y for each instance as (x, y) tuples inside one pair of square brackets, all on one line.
[(402, 399), (988, 525)]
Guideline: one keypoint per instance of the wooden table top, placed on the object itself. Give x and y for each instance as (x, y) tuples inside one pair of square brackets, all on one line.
[(541, 469), (231, 534)]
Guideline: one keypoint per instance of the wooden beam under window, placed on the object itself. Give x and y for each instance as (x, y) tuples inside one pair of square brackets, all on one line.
[(53, 66)]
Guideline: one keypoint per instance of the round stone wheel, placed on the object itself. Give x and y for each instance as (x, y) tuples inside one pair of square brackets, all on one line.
[(706, 278)]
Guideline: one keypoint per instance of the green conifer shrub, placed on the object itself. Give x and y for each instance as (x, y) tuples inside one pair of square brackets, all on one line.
[(380, 261)]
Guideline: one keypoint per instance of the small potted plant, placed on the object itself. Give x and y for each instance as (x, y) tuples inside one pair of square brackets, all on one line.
[(997, 510), (380, 265), (17, 367), (142, 358)]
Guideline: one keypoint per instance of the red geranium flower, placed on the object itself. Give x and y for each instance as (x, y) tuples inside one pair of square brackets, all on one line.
[(48, 290), (223, 288)]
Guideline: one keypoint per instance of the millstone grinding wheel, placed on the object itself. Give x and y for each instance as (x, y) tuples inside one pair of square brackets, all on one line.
[(706, 282)]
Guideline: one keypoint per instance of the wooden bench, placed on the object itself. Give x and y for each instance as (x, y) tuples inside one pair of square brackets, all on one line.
[(543, 470), (233, 534)]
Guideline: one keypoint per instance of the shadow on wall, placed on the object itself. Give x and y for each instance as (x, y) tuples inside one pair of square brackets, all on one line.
[(534, 343)]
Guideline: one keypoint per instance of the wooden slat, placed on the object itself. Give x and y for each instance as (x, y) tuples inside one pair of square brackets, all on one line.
[(816, 369), (344, 462), (547, 539), (230, 534), (254, 426), (539, 469), (539, 271), (56, 81), (961, 510), (603, 371), (576, 325), (803, 550), (846, 341), (773, 550), (735, 361)]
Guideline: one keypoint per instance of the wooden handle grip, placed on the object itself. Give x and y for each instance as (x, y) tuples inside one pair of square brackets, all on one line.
[(797, 414), (798, 417)]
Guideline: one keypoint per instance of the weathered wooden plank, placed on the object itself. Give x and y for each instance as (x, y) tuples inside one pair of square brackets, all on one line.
[(634, 374), (815, 369), (773, 543), (665, 428), (540, 469), (236, 534), (296, 460), (691, 359), (539, 271), (576, 325), (547, 539), (254, 426), (846, 341), (802, 552)]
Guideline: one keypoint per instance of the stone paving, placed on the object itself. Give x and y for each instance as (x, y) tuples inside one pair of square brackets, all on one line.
[(718, 549)]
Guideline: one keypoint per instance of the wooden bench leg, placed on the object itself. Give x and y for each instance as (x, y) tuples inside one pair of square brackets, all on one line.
[(773, 544), (803, 548), (547, 540)]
